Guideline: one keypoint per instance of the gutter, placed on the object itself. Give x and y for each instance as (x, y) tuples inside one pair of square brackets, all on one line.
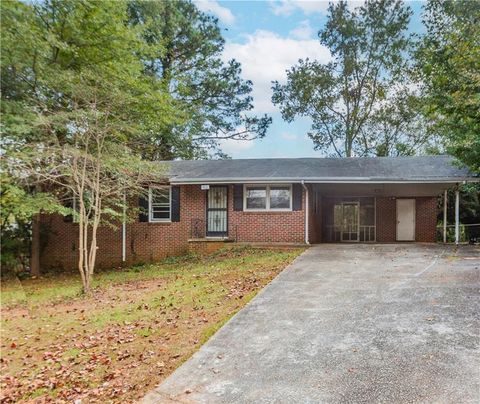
[(306, 212), (191, 181)]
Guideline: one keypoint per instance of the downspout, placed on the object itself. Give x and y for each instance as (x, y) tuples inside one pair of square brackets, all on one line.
[(457, 215), (445, 203), (124, 228), (306, 212)]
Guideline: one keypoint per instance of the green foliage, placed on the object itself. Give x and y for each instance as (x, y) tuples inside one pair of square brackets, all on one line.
[(469, 204), (398, 128), (343, 96), (183, 56), (448, 60), (17, 209), (15, 248), (469, 213), (74, 98), (91, 90), (66, 64), (19, 205)]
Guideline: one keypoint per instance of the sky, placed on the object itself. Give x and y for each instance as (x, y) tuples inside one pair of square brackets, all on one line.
[(268, 37)]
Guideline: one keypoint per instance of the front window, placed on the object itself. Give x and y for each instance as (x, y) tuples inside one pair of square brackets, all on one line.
[(268, 197), (256, 197), (159, 204), (279, 197)]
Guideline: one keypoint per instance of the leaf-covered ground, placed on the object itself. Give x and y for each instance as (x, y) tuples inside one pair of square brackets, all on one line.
[(135, 329)]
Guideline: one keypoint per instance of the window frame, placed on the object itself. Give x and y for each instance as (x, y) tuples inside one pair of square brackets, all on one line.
[(267, 202), (151, 219)]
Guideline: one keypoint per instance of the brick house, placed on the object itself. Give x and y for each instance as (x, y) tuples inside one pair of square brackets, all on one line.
[(205, 203)]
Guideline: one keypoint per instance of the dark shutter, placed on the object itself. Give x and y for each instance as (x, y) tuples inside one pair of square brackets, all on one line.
[(175, 204), (238, 197), (143, 206), (68, 218), (297, 196)]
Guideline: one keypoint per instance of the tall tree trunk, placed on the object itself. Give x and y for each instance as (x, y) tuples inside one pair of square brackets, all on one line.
[(85, 269), (81, 252), (35, 247)]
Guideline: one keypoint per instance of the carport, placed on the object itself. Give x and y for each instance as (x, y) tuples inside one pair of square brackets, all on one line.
[(374, 211), (382, 199)]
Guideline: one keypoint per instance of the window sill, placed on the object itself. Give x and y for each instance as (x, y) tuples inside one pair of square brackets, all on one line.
[(160, 222)]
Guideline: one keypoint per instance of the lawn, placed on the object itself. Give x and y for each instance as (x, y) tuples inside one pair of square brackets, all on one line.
[(138, 325)]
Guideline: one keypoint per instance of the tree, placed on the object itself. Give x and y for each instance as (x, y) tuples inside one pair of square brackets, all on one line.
[(184, 55), (21, 201), (368, 46), (92, 163), (81, 95), (448, 60), (97, 171), (398, 128)]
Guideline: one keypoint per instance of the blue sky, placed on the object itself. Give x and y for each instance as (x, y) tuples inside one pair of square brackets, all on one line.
[(268, 37)]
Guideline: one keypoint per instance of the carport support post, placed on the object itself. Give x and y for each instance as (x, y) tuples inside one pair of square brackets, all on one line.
[(457, 215), (445, 199), (307, 212)]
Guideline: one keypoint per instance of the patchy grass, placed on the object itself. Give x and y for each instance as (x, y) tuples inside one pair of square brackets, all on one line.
[(137, 326)]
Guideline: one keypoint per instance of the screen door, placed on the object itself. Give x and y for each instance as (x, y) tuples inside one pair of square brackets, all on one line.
[(217, 211), (351, 221)]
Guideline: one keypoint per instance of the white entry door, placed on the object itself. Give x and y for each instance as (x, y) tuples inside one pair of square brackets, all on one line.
[(405, 219)]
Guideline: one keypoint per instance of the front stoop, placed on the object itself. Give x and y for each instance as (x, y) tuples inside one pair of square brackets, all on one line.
[(208, 245)]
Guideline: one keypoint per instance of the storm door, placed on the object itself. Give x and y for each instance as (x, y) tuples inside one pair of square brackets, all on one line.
[(350, 225), (348, 219), (217, 197)]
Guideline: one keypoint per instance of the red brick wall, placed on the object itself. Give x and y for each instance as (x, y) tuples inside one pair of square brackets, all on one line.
[(278, 227), (425, 219), (386, 219), (147, 242)]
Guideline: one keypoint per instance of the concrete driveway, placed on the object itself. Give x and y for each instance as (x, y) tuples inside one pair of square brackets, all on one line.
[(348, 323)]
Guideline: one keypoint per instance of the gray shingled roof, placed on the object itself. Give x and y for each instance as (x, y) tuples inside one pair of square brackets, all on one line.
[(378, 169)]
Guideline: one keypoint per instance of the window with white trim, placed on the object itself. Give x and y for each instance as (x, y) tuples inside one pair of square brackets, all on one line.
[(159, 204), (267, 197)]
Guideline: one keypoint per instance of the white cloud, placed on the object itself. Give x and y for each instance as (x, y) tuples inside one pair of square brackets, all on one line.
[(232, 147), (287, 7), (211, 6), (303, 31), (265, 56), (288, 136)]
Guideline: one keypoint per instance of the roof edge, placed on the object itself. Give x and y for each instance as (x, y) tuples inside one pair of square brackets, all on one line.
[(354, 180)]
